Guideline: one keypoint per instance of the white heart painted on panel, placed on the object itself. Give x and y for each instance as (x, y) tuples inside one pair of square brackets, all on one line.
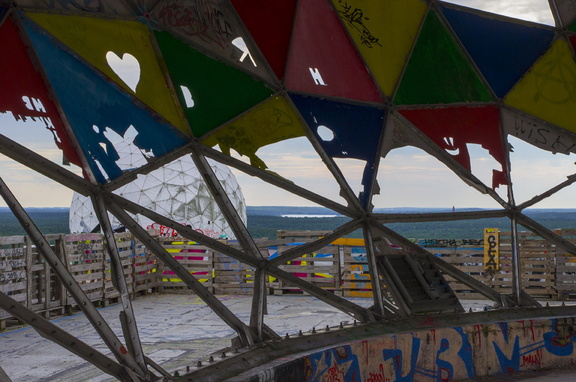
[(127, 68)]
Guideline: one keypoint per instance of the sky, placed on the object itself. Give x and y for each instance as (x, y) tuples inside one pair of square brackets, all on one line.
[(408, 177)]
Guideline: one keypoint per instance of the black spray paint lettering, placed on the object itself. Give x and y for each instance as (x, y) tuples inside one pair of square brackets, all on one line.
[(492, 243)]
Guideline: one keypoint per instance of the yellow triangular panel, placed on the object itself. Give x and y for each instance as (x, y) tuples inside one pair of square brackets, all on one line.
[(384, 32), (123, 51), (548, 90), (270, 122)]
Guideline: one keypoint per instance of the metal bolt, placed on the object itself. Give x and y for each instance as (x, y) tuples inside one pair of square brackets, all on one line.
[(211, 359), (355, 323), (287, 336), (313, 329), (327, 328), (300, 333), (341, 325), (199, 364), (223, 354)]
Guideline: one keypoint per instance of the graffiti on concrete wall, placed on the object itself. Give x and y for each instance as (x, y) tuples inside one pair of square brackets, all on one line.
[(447, 354)]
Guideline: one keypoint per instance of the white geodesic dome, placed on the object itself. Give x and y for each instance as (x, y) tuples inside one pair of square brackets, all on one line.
[(176, 191)]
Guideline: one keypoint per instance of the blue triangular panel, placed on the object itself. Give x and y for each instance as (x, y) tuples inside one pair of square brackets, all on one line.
[(353, 131), (97, 110), (503, 51)]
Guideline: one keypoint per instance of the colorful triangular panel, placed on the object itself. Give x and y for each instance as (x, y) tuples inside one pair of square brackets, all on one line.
[(323, 60), (566, 11), (212, 25), (211, 92), (276, 121), (547, 90), (345, 130), (123, 51), (399, 133), (384, 32), (503, 51), (270, 24), (453, 129), (538, 133), (99, 113), (438, 71), (101, 6), (23, 92)]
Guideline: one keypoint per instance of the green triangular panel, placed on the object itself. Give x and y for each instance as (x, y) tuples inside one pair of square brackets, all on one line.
[(211, 92), (438, 71), (572, 26)]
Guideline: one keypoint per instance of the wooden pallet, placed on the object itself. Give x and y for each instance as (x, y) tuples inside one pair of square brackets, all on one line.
[(195, 258), (356, 280), (232, 276)]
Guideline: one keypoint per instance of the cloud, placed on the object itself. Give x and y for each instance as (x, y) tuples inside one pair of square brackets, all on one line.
[(530, 10)]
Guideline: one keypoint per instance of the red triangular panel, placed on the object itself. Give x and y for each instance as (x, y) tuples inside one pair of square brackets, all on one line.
[(24, 93), (270, 24), (453, 128), (323, 60), (573, 41)]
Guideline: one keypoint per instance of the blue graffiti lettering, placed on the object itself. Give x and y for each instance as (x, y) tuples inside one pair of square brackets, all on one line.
[(512, 364), (398, 360)]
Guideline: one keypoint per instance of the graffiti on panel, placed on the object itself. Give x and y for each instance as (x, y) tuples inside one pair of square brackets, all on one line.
[(202, 19), (338, 364), (355, 18), (491, 249), (516, 357), (447, 354), (448, 242), (539, 134), (171, 232), (12, 264)]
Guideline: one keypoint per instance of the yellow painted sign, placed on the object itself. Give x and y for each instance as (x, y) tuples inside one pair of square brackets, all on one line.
[(349, 241), (491, 249)]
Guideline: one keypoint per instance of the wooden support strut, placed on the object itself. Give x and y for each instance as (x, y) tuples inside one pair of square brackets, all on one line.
[(360, 313), (220, 309), (59, 268), (52, 332), (242, 235), (128, 321)]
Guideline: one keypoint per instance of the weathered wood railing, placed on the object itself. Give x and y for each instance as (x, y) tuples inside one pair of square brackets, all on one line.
[(547, 271)]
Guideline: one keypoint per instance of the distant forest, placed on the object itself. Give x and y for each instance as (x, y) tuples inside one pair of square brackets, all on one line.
[(266, 221)]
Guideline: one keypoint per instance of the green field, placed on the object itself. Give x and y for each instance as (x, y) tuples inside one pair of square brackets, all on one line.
[(265, 221)]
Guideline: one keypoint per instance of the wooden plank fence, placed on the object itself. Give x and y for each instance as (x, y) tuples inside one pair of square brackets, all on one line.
[(321, 268), (547, 271), (195, 258)]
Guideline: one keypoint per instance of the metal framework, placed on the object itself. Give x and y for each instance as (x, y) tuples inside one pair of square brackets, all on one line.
[(130, 363)]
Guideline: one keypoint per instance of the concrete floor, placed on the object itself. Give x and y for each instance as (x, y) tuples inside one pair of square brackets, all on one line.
[(176, 331)]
